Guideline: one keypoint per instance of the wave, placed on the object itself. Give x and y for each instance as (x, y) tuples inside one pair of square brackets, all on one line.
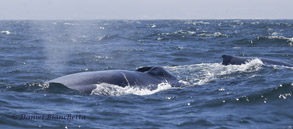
[(215, 34), (280, 92), (197, 23), (105, 37), (272, 40), (186, 34), (179, 32), (282, 38), (111, 37), (177, 35), (70, 24)]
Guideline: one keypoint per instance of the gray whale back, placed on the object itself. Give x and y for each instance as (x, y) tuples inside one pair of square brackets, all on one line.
[(234, 60), (144, 77)]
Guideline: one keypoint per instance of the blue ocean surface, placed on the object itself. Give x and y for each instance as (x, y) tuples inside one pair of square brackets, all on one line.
[(252, 95)]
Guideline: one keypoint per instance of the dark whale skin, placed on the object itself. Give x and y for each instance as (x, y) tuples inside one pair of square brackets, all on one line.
[(145, 77)]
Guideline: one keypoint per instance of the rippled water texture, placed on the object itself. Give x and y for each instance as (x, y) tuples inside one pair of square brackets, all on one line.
[(251, 95)]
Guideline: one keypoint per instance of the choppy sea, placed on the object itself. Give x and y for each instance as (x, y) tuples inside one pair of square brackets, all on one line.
[(251, 95)]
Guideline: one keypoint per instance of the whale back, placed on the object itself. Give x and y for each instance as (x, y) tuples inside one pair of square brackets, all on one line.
[(143, 69), (233, 60), (85, 82)]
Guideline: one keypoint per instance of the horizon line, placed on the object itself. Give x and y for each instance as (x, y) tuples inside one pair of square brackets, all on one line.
[(138, 19)]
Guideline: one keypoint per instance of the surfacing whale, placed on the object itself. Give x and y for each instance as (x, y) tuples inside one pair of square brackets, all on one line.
[(144, 77), (234, 60)]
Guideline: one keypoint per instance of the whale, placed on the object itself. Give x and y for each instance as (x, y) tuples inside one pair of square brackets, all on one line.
[(234, 60), (143, 77)]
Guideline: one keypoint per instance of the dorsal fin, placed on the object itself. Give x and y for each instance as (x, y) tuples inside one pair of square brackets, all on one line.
[(226, 59), (143, 69)]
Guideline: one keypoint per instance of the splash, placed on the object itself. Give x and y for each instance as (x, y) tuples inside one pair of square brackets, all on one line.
[(200, 74), (114, 90)]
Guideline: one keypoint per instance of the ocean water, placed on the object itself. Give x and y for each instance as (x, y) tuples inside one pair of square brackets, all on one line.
[(251, 95)]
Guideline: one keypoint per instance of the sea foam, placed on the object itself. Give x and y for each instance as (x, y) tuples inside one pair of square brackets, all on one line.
[(114, 90)]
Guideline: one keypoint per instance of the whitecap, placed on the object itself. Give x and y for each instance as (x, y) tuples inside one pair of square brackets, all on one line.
[(71, 24), (274, 36), (184, 32), (215, 34), (5, 32), (100, 38), (196, 23), (68, 23), (102, 57), (160, 38)]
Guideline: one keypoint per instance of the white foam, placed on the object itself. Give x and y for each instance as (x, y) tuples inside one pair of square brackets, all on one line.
[(189, 75), (200, 74), (70, 24), (100, 38), (114, 90), (5, 32), (215, 34), (196, 23), (160, 38), (184, 32)]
